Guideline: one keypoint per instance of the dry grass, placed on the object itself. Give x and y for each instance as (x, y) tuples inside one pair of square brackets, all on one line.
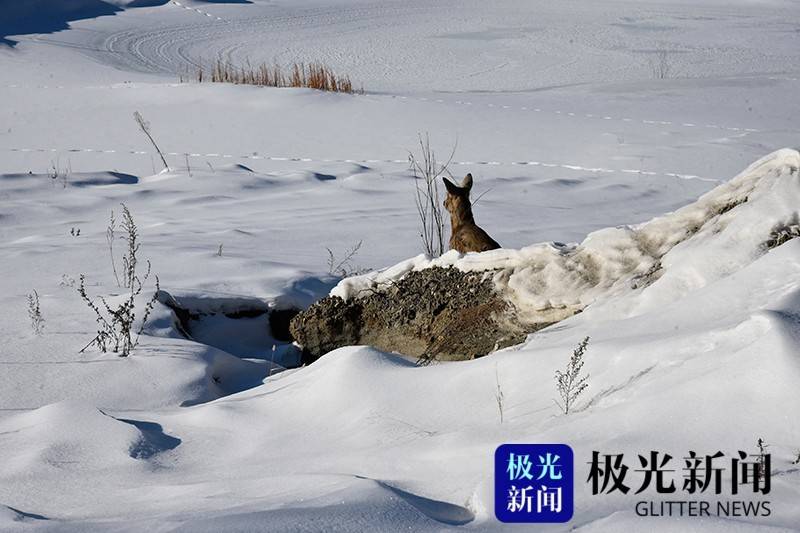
[(312, 76)]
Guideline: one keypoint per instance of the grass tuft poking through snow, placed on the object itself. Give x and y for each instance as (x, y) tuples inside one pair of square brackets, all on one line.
[(311, 76)]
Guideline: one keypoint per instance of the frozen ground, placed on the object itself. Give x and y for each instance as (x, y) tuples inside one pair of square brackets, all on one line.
[(555, 111)]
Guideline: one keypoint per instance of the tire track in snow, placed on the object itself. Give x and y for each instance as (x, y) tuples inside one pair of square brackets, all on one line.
[(255, 156)]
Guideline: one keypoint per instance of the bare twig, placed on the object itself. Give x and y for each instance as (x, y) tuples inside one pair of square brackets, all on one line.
[(343, 267), (481, 195), (112, 226), (427, 172), (499, 393), (145, 127)]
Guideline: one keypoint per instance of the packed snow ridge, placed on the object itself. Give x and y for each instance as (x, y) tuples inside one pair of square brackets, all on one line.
[(723, 231)]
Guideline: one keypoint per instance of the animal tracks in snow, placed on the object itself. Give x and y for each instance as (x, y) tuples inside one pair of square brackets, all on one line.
[(570, 114), (256, 156), (528, 108), (199, 11)]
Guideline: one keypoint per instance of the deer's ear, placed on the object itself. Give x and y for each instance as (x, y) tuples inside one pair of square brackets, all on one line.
[(467, 183), (452, 188)]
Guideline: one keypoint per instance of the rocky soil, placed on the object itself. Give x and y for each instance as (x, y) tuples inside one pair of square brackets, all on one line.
[(435, 313)]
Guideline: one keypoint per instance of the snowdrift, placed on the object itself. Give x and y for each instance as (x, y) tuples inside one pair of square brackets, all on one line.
[(71, 435)]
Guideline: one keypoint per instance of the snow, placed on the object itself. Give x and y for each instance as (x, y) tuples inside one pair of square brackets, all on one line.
[(595, 174)]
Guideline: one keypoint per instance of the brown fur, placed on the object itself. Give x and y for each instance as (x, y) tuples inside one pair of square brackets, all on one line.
[(465, 235)]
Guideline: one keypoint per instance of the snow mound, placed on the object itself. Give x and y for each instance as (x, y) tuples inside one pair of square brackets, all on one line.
[(69, 435), (723, 231)]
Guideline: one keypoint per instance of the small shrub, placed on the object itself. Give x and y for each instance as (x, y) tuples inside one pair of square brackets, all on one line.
[(115, 324), (427, 171), (762, 461), (35, 313), (569, 383)]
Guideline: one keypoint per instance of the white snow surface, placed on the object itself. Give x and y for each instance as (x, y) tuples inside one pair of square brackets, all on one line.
[(554, 108)]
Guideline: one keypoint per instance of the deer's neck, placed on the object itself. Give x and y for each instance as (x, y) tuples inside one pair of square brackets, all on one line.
[(460, 217)]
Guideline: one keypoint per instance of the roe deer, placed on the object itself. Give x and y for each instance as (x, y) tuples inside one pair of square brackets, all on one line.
[(465, 235)]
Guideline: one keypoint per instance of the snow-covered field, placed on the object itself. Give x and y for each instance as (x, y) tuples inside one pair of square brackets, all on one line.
[(559, 112)]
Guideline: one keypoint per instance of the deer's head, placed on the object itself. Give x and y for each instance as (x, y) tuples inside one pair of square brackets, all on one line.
[(457, 201)]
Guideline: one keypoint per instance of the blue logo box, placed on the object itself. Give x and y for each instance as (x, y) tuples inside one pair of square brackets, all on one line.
[(533, 483)]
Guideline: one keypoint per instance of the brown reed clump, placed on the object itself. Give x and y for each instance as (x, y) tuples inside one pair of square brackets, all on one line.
[(312, 76)]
